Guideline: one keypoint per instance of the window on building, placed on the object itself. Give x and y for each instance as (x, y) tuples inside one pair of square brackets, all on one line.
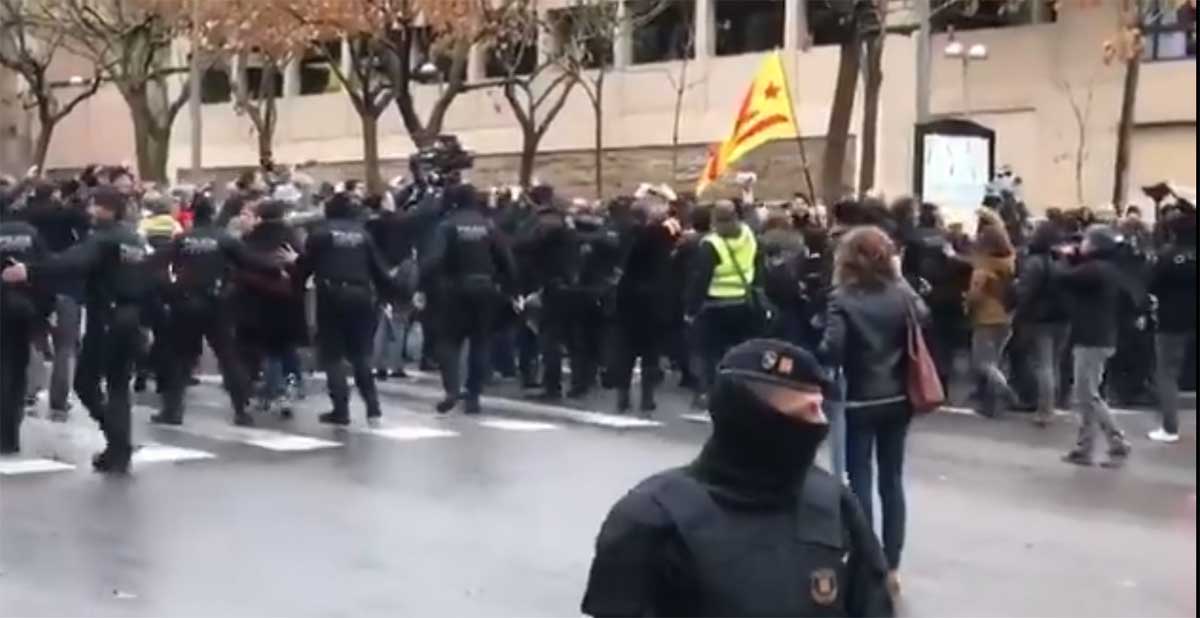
[(520, 57), (426, 50), (587, 31), (1170, 30), (747, 26), (981, 14), (662, 32), (316, 76), (215, 86), (261, 82)]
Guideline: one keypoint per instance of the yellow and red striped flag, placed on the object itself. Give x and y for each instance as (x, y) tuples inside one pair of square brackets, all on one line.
[(765, 115)]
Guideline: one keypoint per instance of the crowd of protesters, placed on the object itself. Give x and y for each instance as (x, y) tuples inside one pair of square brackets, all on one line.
[(1067, 304)]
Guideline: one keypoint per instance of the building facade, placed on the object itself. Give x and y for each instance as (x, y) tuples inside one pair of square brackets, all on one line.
[(1043, 88)]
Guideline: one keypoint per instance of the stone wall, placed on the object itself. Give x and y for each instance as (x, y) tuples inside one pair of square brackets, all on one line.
[(778, 166)]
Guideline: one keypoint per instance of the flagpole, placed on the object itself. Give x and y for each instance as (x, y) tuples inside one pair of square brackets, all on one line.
[(812, 190)]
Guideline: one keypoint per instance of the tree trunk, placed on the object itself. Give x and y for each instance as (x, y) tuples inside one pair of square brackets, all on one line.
[(1133, 72), (529, 151), (42, 145), (680, 92), (151, 141), (870, 126), (266, 150), (598, 110), (374, 176), (838, 134)]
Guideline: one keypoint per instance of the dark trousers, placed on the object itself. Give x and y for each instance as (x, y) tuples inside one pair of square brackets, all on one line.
[(110, 349), (1171, 349), (14, 356), (467, 319), (552, 338), (345, 329), (527, 354), (725, 326), (67, 318), (192, 322), (633, 343), (1130, 372), (880, 432), (947, 337), (586, 334)]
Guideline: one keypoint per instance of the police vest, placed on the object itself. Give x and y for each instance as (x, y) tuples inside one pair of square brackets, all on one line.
[(735, 267), (752, 562)]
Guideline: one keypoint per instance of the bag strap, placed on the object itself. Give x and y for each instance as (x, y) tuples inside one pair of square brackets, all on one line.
[(733, 260)]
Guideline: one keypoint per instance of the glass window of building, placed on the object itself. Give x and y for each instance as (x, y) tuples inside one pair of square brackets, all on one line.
[(662, 31), (259, 85), (215, 86), (981, 14), (586, 31), (315, 75), (1170, 30), (747, 26)]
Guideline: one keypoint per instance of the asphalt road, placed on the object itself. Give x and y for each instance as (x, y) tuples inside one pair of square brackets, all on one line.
[(496, 516)]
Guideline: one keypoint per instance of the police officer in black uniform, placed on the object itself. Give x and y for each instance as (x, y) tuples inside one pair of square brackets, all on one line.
[(593, 299), (553, 245), (116, 263), (477, 270), (200, 261), (21, 309), (752, 527), (349, 273)]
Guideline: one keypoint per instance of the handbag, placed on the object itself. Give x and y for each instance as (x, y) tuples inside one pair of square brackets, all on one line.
[(924, 387), (762, 307)]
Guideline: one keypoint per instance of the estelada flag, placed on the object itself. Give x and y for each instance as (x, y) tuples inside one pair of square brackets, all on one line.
[(765, 115)]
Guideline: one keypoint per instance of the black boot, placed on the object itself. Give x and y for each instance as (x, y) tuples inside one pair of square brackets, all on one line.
[(334, 418), (446, 405), (471, 407), (648, 404), (109, 462), (167, 418), (243, 419)]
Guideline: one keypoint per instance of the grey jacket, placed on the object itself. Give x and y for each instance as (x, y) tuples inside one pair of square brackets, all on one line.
[(867, 336)]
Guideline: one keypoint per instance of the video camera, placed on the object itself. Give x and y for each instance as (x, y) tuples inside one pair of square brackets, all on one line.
[(442, 160)]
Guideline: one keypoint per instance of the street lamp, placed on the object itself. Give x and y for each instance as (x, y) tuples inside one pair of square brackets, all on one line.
[(957, 50)]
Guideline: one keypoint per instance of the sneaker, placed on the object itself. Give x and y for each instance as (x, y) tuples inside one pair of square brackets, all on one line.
[(894, 584), (1163, 437), (107, 463)]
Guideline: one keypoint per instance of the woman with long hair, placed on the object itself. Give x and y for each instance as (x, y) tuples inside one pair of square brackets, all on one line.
[(994, 263), (867, 336)]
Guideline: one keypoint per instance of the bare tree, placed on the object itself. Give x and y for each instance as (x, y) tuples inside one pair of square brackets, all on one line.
[(27, 50), (1081, 109), (131, 43), (588, 31), (1127, 48)]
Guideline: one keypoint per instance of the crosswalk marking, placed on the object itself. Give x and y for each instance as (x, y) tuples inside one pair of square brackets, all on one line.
[(15, 467), (508, 424), (160, 453), (200, 426), (407, 433), (696, 418)]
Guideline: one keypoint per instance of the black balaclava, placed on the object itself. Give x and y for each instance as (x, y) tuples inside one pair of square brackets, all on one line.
[(756, 456)]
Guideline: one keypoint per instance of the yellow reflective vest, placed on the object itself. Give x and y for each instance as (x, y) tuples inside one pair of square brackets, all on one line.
[(726, 283)]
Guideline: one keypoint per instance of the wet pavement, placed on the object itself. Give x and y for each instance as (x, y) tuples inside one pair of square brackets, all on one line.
[(496, 516)]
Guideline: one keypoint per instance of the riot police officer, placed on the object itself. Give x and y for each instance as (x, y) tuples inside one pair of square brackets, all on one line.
[(476, 269), (200, 262), (115, 261), (20, 310), (751, 527), (349, 272)]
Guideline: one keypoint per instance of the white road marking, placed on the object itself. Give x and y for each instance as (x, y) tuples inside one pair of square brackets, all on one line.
[(159, 453), (15, 467), (269, 439), (697, 418), (508, 424), (407, 433)]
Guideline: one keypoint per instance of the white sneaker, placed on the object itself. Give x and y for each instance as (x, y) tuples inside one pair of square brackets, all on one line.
[(1161, 435)]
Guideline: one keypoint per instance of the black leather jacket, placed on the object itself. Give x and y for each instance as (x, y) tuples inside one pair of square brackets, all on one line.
[(867, 335)]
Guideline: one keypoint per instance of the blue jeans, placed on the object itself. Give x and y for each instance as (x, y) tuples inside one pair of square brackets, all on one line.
[(277, 369), (880, 431)]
